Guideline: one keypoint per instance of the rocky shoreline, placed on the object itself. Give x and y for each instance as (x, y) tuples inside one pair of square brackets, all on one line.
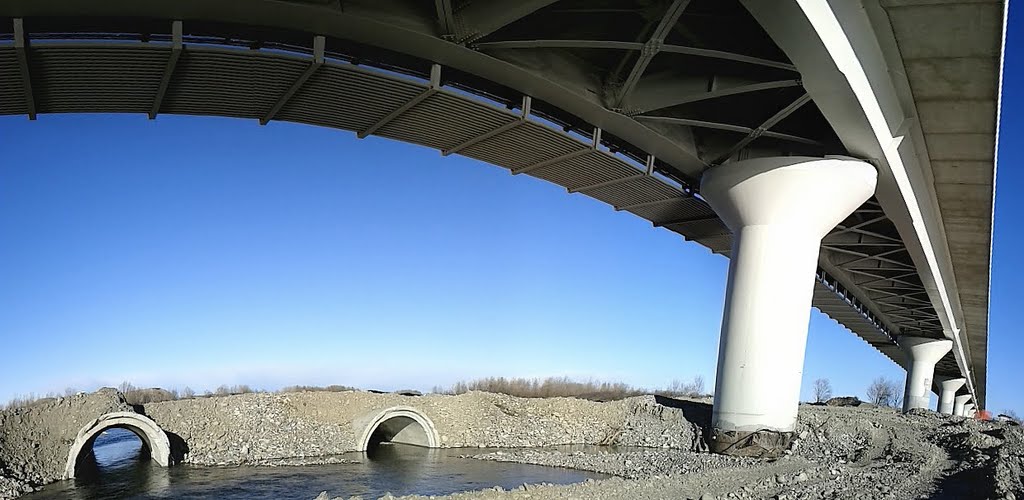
[(319, 427), (841, 452)]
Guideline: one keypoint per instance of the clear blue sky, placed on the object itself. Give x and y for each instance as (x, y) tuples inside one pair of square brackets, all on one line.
[(201, 251)]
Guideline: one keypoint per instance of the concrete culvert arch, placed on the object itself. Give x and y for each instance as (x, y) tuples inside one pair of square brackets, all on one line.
[(154, 440), (399, 424)]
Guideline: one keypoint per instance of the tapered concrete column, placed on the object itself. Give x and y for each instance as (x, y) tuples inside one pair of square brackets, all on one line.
[(778, 210), (922, 354), (947, 391), (969, 410), (958, 404)]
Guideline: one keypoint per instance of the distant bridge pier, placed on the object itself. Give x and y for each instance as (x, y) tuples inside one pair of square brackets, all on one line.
[(958, 404), (922, 354), (969, 410), (948, 387), (778, 209)]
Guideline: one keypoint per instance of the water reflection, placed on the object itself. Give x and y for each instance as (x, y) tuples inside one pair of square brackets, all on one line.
[(398, 469), (118, 466)]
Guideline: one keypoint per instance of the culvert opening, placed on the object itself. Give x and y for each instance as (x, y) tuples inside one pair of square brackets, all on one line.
[(399, 430), (117, 441), (115, 450), (401, 426)]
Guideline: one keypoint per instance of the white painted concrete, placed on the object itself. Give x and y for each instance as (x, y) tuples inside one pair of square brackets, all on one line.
[(851, 65), (969, 410), (402, 424), (152, 436), (778, 210), (922, 354), (958, 404), (904, 181), (947, 391)]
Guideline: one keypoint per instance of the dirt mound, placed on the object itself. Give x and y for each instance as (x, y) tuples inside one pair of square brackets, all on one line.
[(840, 452), (845, 401), (34, 441)]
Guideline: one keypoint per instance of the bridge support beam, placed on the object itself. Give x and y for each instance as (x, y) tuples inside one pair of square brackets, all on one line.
[(778, 209), (947, 392), (922, 354), (969, 410), (958, 404)]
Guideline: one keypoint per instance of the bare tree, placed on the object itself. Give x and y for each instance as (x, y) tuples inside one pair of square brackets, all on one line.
[(1013, 416), (694, 388), (126, 387), (822, 390), (884, 392)]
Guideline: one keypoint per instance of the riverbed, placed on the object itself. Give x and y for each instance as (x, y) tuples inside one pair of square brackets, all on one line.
[(397, 469)]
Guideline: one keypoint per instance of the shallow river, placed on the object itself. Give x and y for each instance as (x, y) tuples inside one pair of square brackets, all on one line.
[(400, 470)]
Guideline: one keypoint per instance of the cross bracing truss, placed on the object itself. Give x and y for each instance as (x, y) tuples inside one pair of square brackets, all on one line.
[(699, 75)]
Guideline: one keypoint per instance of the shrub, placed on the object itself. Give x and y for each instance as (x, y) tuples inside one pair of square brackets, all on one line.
[(694, 388), (566, 387), (315, 388), (137, 396)]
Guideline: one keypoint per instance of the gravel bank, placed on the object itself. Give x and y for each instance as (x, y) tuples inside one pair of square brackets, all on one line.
[(34, 441), (317, 427), (629, 464), (842, 453), (261, 428)]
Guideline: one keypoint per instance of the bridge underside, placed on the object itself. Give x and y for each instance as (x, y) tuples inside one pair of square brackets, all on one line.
[(627, 102)]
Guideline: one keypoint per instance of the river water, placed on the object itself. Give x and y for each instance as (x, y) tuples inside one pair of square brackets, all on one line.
[(398, 469)]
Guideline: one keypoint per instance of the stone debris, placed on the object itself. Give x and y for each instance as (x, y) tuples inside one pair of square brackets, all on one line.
[(845, 401), (34, 441), (838, 452)]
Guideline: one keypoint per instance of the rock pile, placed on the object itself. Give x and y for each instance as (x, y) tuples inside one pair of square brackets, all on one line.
[(841, 453), (846, 452), (316, 427), (257, 428), (34, 441)]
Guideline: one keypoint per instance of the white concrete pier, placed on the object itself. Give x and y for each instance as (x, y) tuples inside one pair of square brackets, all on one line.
[(947, 391), (958, 404), (778, 209), (922, 354), (969, 410)]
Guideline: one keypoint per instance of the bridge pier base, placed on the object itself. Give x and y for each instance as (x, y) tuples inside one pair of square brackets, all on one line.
[(778, 209), (922, 354), (958, 404), (968, 410), (947, 391)]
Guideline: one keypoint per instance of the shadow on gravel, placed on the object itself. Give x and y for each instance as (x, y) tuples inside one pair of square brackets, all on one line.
[(179, 448), (695, 412), (971, 483), (979, 480)]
